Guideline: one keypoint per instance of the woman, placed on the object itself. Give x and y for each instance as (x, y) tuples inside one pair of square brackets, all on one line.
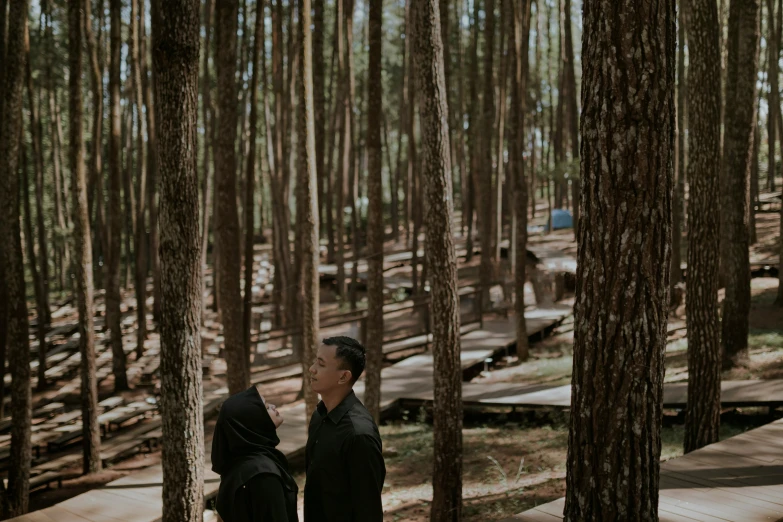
[(255, 484)]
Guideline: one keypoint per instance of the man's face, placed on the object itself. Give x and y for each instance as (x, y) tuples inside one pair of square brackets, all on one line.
[(327, 373)]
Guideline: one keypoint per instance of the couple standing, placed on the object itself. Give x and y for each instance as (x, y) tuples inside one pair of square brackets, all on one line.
[(344, 462)]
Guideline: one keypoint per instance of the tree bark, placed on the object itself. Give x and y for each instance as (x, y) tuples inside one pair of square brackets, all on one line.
[(343, 161), (308, 230), (427, 50), (175, 27), (623, 259), (487, 271), (247, 298), (91, 434), (40, 329), (319, 105), (702, 416), (474, 118), (372, 393), (740, 123), (113, 296), (129, 199), (140, 234), (678, 214), (95, 176), (573, 110), (521, 36), (227, 224), (16, 496), (3, 286), (209, 135), (504, 71), (773, 50)]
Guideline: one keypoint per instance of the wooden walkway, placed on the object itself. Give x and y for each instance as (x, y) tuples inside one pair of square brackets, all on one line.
[(736, 480), (137, 497)]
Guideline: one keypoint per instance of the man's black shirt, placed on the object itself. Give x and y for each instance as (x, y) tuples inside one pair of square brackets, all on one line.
[(345, 468)]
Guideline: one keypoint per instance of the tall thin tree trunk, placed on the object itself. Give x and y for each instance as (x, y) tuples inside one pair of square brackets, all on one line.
[(113, 296), (427, 50), (353, 170), (209, 133), (140, 235), (3, 284), (372, 393), (247, 298), (773, 50), (16, 496), (95, 176), (91, 434), (504, 71), (308, 230), (678, 197), (35, 132), (474, 131), (702, 417), (129, 199), (40, 328), (743, 45), (343, 161), (519, 66), (175, 69), (319, 105), (487, 271), (573, 111), (627, 180), (226, 224)]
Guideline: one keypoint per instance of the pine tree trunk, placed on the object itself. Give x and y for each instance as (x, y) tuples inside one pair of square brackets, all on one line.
[(175, 69), (35, 132), (487, 270), (343, 157), (754, 179), (773, 50), (129, 199), (91, 434), (573, 111), (16, 496), (140, 234), (247, 298), (148, 84), (40, 329), (427, 50), (308, 230), (474, 118), (227, 224), (319, 106), (520, 39), (678, 197), (113, 296), (208, 119), (372, 390), (623, 258), (3, 284), (702, 416), (353, 170), (504, 71), (329, 173), (743, 44), (95, 176)]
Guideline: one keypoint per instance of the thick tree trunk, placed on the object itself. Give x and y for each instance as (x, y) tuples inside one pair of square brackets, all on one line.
[(623, 259), (521, 36), (487, 271), (175, 69), (308, 229), (113, 296), (247, 298), (773, 52), (3, 286), (226, 224), (372, 393), (678, 197), (427, 50), (16, 496), (91, 434), (140, 234), (702, 416), (743, 44)]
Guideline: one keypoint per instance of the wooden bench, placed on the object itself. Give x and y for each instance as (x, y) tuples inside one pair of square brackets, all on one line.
[(46, 479)]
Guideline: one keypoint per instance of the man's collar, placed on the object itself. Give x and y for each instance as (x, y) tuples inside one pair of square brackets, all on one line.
[(339, 412)]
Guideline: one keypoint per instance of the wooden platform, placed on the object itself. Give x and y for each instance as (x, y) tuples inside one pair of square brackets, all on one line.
[(736, 480), (137, 497)]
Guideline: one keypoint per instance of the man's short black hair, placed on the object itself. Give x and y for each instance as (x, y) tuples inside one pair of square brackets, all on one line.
[(351, 352)]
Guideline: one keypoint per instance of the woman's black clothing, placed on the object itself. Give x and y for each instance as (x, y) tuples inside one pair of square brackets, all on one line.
[(254, 475)]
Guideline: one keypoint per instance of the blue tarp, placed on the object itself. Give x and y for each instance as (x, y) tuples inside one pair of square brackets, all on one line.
[(561, 219)]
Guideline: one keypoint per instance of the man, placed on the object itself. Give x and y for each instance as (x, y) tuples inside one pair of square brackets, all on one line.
[(344, 461)]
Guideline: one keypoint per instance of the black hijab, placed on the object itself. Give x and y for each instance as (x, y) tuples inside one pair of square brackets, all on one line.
[(244, 445)]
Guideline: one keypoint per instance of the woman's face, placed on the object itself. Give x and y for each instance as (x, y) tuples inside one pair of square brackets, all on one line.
[(277, 417)]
